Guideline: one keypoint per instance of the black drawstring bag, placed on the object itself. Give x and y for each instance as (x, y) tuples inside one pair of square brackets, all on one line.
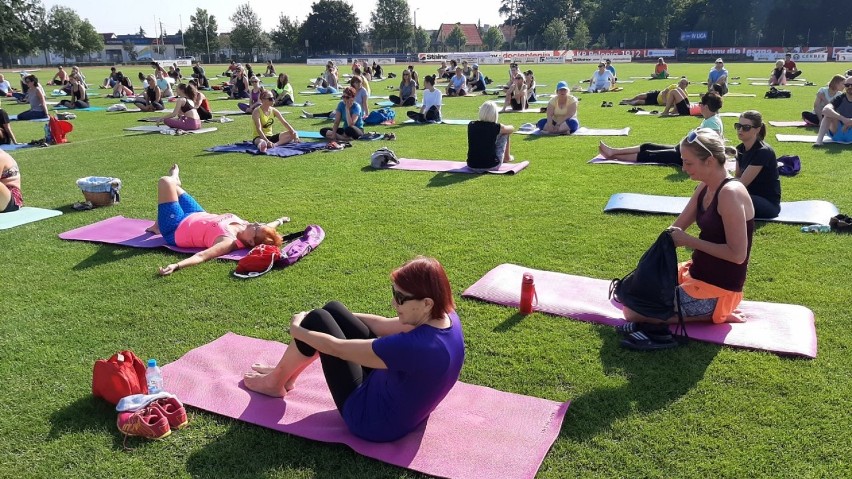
[(650, 288)]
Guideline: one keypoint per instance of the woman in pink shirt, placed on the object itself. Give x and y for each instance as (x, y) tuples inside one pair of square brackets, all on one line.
[(183, 222)]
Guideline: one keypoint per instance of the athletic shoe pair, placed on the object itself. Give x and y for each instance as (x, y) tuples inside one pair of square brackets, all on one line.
[(646, 337), (154, 421)]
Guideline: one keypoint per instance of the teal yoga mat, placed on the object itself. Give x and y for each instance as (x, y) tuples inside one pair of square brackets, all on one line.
[(25, 215)]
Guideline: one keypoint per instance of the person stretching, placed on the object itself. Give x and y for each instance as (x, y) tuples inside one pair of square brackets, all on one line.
[(517, 96), (561, 113), (673, 96), (836, 117), (350, 113), (184, 116), (263, 117)]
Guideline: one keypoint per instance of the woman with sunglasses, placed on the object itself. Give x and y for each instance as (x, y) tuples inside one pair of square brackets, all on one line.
[(407, 91), (824, 96), (263, 117), (711, 283), (36, 98), (517, 96), (184, 223), (349, 112), (386, 375), (837, 117), (254, 96), (717, 79), (757, 166)]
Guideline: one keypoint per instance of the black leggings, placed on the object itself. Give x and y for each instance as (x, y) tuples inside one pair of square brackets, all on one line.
[(764, 208), (284, 100), (74, 104), (410, 101), (722, 89), (204, 113), (342, 377), (349, 131), (32, 115), (432, 114), (665, 154)]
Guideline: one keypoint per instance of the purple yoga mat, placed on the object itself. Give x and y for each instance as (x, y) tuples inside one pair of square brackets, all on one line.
[(453, 166), (131, 232), (476, 432), (780, 328)]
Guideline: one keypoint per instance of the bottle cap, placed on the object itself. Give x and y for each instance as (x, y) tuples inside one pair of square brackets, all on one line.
[(528, 278), (152, 363)]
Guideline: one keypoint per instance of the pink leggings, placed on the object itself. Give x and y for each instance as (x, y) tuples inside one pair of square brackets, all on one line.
[(183, 123)]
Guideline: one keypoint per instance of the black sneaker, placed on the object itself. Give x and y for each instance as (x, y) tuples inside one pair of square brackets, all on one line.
[(639, 341)]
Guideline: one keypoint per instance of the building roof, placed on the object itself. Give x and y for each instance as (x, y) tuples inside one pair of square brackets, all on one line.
[(470, 30)]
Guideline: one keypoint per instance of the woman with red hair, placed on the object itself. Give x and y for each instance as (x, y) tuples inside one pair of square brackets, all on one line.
[(386, 375)]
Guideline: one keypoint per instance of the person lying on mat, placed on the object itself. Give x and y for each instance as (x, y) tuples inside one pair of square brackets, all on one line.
[(517, 96), (488, 140), (152, 99), (263, 117), (430, 111), (458, 84), (836, 116), (711, 283), (386, 375), (661, 70), (200, 100), (36, 98), (79, 97), (284, 94), (601, 80), (717, 79), (757, 166), (710, 104), (561, 113), (778, 75), (674, 96), (10, 184), (184, 116), (407, 91), (824, 96), (791, 70), (184, 223), (7, 136), (350, 114)]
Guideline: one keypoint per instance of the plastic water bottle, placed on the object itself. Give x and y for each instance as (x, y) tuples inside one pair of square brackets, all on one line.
[(154, 377), (816, 229), (527, 294)]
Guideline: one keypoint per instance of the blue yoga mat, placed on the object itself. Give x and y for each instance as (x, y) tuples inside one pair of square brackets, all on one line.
[(25, 215), (14, 147), (310, 134), (15, 118), (283, 151), (91, 108)]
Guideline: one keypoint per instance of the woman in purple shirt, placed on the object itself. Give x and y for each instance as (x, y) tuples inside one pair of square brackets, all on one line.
[(386, 375)]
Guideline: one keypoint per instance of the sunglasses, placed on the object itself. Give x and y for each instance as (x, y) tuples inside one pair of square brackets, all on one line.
[(692, 137), (847, 85), (270, 98), (738, 126), (399, 297)]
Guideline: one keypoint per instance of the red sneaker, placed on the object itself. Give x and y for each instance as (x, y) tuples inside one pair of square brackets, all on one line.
[(148, 422), (173, 410)]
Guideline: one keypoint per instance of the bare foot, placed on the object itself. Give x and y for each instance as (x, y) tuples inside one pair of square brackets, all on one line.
[(174, 172), (153, 229), (736, 316), (605, 150), (262, 368), (264, 384)]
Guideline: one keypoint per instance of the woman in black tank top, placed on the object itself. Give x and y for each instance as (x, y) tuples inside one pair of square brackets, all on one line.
[(79, 98)]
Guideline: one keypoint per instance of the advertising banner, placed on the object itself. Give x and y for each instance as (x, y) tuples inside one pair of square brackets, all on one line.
[(692, 36)]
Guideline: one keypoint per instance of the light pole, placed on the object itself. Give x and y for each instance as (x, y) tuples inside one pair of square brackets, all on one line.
[(207, 38), (415, 28)]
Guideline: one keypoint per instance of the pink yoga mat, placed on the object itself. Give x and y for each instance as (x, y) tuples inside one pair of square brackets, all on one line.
[(780, 328), (131, 232), (476, 432), (453, 166)]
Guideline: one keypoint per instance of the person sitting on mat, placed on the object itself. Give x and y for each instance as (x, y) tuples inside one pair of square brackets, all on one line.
[(284, 95), (5, 86), (362, 95), (200, 99), (488, 140), (836, 117), (466, 69), (79, 97), (164, 85), (432, 102), (661, 70), (443, 69), (673, 96), (407, 91), (386, 375), (710, 104), (109, 81), (561, 113), (717, 79), (200, 76), (61, 76), (123, 87), (270, 69), (414, 76), (10, 184), (517, 96), (185, 115), (757, 166), (152, 99), (824, 96), (601, 80), (358, 72), (378, 72), (611, 69), (349, 113), (458, 84), (263, 117), (36, 98), (711, 283), (531, 86), (792, 71), (239, 85), (513, 72), (7, 136), (778, 76), (256, 89), (184, 223)]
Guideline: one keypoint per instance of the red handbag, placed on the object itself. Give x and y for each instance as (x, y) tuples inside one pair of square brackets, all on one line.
[(258, 261), (121, 375)]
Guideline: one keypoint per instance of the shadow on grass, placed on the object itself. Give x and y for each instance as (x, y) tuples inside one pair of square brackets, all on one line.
[(654, 380), (833, 148), (677, 175), (108, 254), (446, 179), (84, 414), (509, 322)]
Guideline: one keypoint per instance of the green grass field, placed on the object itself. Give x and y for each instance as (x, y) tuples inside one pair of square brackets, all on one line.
[(697, 411)]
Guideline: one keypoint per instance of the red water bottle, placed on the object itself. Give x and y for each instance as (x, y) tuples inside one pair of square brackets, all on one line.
[(527, 294)]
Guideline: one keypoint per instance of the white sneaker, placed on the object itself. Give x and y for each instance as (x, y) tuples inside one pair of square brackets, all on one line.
[(307, 114)]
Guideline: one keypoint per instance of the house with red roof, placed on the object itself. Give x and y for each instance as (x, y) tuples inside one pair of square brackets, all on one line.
[(471, 34)]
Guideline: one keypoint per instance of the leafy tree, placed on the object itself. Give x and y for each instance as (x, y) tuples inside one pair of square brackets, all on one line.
[(391, 21), (532, 16), (493, 38), (456, 38), (141, 32), (19, 20), (286, 36), (555, 35), (130, 48), (581, 37), (200, 36), (64, 30), (90, 40), (332, 25), (421, 39), (247, 33)]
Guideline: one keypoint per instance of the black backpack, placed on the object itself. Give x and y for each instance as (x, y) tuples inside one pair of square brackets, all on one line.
[(776, 93)]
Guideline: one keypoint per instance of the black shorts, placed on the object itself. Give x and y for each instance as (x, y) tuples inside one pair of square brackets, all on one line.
[(682, 107), (273, 138), (651, 97)]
